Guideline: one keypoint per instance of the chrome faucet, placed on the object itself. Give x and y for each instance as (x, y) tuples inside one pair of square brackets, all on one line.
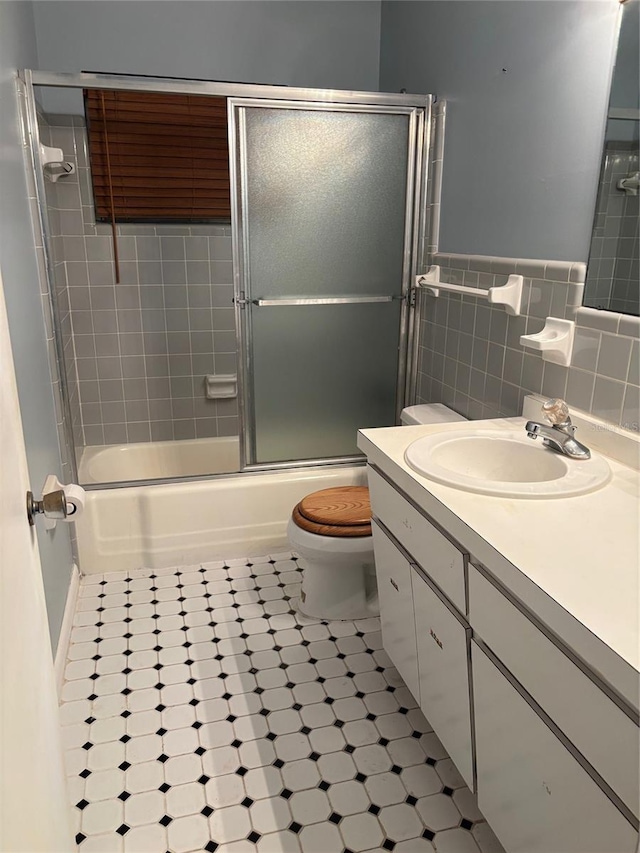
[(560, 435)]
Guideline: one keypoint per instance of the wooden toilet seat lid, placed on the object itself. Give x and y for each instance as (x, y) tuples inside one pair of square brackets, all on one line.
[(340, 511)]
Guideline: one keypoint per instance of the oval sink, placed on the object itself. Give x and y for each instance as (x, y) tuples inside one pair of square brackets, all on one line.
[(508, 464)]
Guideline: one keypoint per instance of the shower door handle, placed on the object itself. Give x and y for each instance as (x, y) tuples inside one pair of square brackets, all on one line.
[(321, 300)]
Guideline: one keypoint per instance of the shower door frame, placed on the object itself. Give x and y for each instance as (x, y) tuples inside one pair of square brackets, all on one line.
[(417, 106), (412, 247)]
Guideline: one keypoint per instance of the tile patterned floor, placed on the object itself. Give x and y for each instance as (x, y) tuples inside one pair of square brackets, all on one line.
[(200, 712)]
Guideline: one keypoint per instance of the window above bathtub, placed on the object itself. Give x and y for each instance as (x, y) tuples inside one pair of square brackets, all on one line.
[(158, 157)]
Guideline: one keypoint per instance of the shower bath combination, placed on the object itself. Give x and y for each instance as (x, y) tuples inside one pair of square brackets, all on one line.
[(305, 315)]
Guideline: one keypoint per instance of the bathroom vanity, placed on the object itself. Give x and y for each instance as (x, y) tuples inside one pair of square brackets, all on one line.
[(514, 623)]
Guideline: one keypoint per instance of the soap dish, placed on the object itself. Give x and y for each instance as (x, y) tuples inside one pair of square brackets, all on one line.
[(221, 386), (555, 341)]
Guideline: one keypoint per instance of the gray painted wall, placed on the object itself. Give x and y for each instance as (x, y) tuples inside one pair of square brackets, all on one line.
[(322, 44), (523, 147), (22, 293)]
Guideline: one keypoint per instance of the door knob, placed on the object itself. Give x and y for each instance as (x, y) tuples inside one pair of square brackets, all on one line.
[(53, 505)]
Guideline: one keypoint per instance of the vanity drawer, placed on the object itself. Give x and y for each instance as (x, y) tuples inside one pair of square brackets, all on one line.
[(535, 795), (443, 672), (439, 557), (596, 726), (395, 594)]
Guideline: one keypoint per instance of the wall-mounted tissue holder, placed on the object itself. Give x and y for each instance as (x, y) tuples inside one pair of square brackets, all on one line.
[(508, 295), (555, 341), (53, 163), (220, 387)]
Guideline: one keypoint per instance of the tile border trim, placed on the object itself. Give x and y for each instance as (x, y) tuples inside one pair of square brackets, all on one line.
[(562, 271), (608, 321)]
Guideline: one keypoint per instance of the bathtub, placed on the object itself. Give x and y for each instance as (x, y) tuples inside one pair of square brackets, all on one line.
[(155, 460), (173, 524)]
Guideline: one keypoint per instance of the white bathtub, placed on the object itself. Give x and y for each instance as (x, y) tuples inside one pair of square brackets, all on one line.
[(155, 460), (185, 523)]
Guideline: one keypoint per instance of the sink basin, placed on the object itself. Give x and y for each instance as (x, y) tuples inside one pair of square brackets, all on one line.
[(504, 463)]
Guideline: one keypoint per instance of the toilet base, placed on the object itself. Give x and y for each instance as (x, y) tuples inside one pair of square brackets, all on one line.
[(338, 575)]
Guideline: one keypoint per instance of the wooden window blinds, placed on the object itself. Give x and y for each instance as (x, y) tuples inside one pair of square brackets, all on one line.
[(158, 157)]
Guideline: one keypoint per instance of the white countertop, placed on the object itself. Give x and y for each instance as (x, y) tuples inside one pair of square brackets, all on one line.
[(574, 562)]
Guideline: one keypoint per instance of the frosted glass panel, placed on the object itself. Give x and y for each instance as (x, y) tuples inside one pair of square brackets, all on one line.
[(325, 201), (321, 373)]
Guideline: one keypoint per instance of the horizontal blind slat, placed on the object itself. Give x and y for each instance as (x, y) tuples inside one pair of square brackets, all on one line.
[(168, 156)]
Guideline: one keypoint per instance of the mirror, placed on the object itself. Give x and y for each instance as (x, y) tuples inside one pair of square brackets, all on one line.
[(613, 273)]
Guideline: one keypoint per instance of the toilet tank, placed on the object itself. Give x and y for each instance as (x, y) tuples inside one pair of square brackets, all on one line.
[(429, 413)]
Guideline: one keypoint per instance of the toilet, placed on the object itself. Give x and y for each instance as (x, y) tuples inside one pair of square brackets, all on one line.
[(331, 531)]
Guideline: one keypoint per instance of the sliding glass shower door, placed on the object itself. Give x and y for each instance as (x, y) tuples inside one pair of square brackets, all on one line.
[(323, 224)]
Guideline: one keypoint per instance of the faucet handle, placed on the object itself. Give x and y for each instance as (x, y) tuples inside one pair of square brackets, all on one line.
[(556, 411)]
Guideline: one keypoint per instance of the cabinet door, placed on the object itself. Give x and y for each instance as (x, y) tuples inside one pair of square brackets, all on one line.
[(443, 674), (396, 608), (439, 557), (604, 734), (531, 789)]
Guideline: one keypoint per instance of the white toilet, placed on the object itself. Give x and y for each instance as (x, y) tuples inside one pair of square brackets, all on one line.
[(331, 532)]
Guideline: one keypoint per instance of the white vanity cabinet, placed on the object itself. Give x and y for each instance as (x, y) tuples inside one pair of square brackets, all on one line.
[(534, 793), (551, 750), (423, 632)]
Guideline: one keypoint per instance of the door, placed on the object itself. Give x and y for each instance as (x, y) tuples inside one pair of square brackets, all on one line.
[(396, 608), (34, 813), (534, 793), (323, 220), (443, 672)]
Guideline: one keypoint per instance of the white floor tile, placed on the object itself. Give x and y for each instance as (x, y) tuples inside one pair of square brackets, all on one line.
[(144, 777), (372, 759), (400, 822), (278, 842), (348, 798), (230, 824), (201, 712), (438, 812), (361, 832), (319, 838), (385, 789), (310, 806), (145, 839), (270, 815), (456, 841), (112, 842), (103, 816), (301, 775), (448, 773), (188, 833), (226, 790), (104, 785), (140, 809), (184, 800)]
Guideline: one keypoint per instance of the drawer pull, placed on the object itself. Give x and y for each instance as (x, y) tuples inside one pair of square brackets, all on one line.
[(435, 637), (394, 584)]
